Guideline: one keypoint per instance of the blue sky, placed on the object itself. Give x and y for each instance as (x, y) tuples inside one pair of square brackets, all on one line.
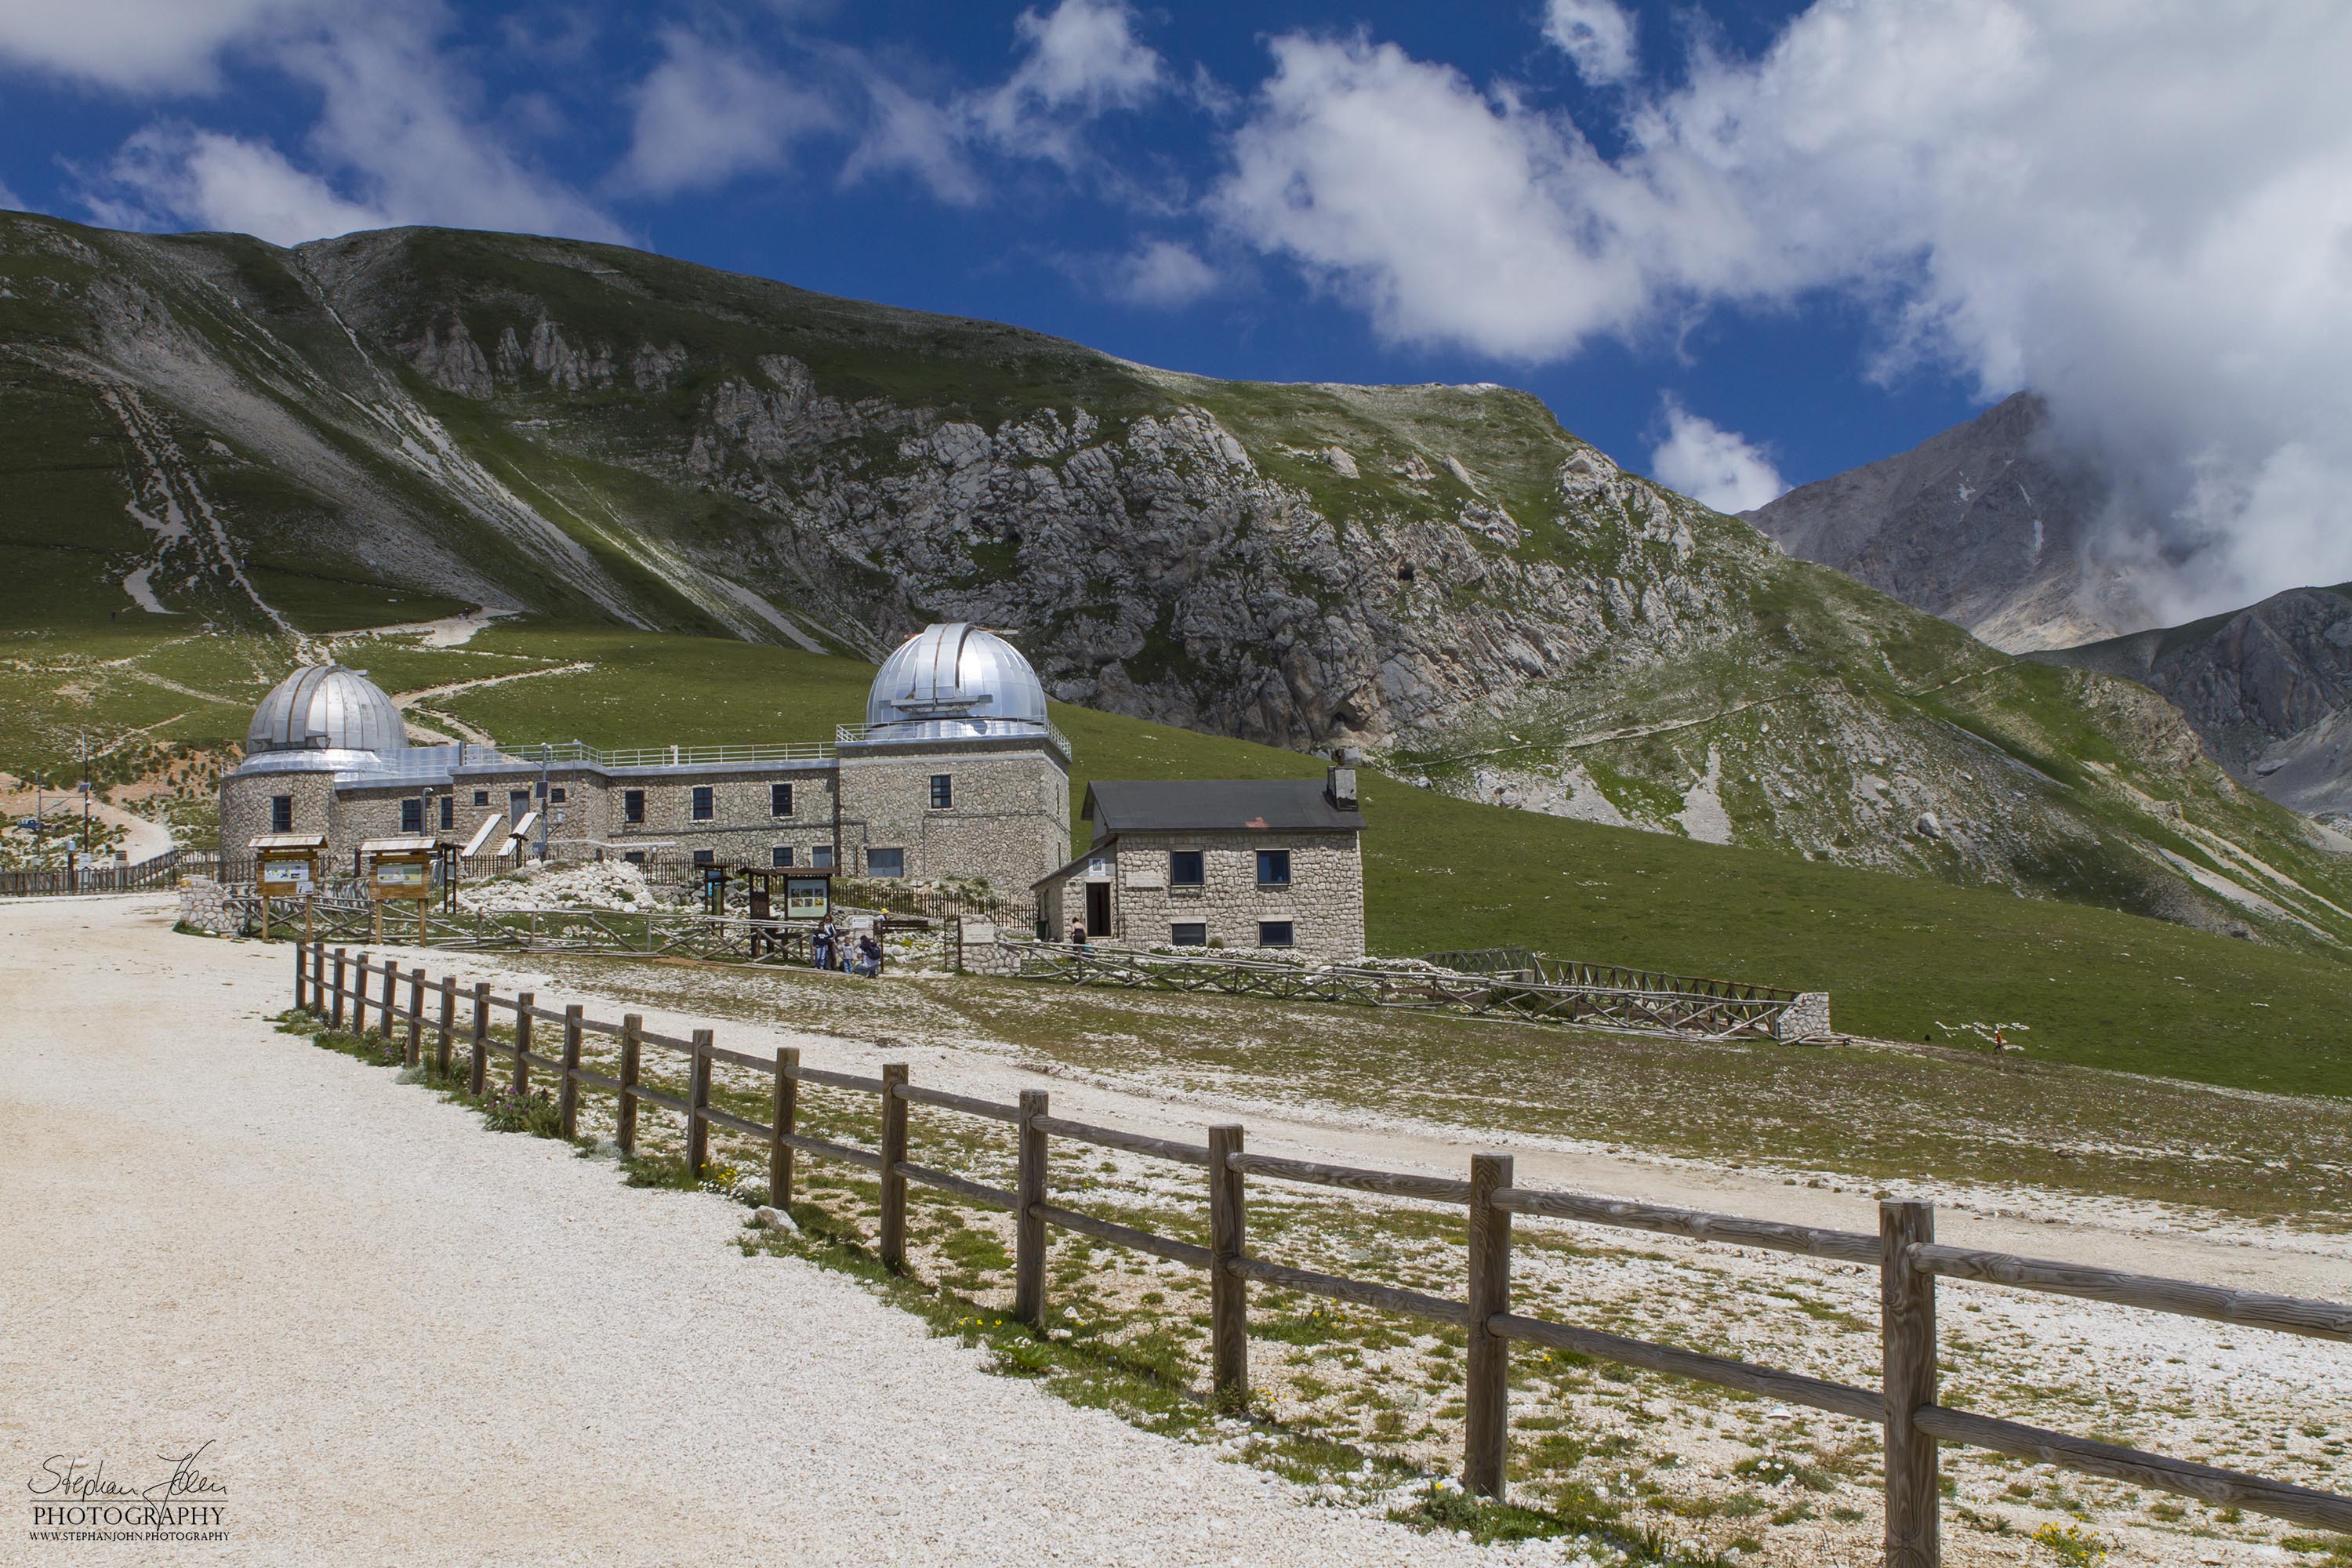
[(1740, 244)]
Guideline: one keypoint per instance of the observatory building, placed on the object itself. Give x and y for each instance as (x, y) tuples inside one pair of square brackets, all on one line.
[(956, 772)]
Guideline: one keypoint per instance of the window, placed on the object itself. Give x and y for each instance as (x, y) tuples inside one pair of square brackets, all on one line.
[(821, 857), (703, 804), (782, 855), (1273, 933), (633, 806), (1273, 870), (780, 804), (886, 862), (481, 798), (448, 810), (281, 813), (634, 857), (556, 794), (412, 816), (705, 857), (1189, 934), (942, 791), (1187, 869)]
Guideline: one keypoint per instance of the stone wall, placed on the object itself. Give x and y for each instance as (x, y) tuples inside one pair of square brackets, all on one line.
[(1007, 823), (220, 909), (245, 806), (1324, 902), (1807, 1019)]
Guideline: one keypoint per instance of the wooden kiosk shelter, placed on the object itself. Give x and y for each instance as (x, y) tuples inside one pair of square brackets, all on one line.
[(287, 866), (808, 896), (399, 869)]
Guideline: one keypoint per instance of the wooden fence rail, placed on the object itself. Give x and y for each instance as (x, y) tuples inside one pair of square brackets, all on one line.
[(1904, 1252)]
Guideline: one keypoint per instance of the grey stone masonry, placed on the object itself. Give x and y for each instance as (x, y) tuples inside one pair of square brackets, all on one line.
[(1322, 902), (1808, 1018), (1006, 820)]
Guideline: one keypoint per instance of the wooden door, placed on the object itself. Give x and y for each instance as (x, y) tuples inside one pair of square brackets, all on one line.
[(1098, 909)]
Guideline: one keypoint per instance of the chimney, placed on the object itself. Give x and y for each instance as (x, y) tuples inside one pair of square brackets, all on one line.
[(1339, 779)]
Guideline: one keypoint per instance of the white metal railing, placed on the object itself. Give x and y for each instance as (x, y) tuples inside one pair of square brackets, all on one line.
[(852, 734), (438, 761)]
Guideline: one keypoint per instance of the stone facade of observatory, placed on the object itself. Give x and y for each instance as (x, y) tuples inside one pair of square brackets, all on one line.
[(956, 772)]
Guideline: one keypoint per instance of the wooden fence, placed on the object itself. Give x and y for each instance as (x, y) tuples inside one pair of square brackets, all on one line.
[(1596, 995), (163, 870), (1905, 1251)]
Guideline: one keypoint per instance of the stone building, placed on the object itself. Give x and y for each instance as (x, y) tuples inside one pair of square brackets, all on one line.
[(956, 772), (1229, 863)]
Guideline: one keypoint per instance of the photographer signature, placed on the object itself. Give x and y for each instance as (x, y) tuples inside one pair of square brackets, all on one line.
[(82, 1482)]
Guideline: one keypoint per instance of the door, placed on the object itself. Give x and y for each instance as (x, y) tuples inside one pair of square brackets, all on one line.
[(518, 805), (1098, 909)]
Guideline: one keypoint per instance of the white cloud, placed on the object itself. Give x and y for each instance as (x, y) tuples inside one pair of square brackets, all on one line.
[(10, 199), (398, 139), (2142, 213), (1078, 62), (1161, 274), (179, 174), (1597, 35), (711, 111), (148, 46), (910, 134), (1720, 467)]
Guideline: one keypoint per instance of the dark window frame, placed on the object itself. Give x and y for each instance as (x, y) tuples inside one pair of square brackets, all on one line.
[(1177, 928), (281, 813), (481, 798), (779, 800), (1289, 930), (821, 857), (706, 858), (633, 806), (411, 814), (780, 857), (703, 804), (448, 812), (900, 870), (1200, 868), (1274, 860), (943, 791)]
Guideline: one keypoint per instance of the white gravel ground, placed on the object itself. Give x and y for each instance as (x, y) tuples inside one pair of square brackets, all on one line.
[(408, 1341)]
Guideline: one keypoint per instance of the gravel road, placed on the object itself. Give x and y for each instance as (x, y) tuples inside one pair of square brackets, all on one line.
[(409, 1341)]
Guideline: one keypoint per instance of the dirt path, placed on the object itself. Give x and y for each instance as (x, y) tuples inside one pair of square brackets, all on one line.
[(2112, 1234), (408, 1341)]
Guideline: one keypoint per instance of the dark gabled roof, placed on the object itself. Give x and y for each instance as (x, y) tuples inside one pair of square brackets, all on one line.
[(1214, 805)]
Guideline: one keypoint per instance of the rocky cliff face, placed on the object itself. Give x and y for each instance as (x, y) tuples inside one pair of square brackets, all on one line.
[(1438, 573), (2269, 688), (1985, 525)]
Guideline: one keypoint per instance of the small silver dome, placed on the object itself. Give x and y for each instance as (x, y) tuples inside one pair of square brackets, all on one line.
[(955, 679), (325, 708)]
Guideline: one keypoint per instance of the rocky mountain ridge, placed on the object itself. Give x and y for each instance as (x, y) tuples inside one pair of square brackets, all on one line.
[(1985, 524), (1441, 573), (2269, 688)]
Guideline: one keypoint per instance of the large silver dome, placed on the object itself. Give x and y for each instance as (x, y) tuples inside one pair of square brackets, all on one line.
[(324, 708), (955, 679)]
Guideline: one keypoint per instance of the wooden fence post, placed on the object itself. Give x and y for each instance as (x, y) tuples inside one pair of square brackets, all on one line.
[(568, 1098), (1028, 1229), (698, 1125), (361, 972), (625, 1134), (893, 1247), (319, 977), (1228, 1291), (335, 1018), (1906, 1300), (384, 1005), (448, 1023), (301, 958), (478, 1070), (416, 1052), (1487, 1430), (522, 1080), (787, 1112)]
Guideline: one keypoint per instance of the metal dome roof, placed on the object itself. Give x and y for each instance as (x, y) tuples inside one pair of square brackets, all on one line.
[(955, 679), (325, 708)]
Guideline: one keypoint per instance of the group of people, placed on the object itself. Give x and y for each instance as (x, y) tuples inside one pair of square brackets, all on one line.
[(832, 948)]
